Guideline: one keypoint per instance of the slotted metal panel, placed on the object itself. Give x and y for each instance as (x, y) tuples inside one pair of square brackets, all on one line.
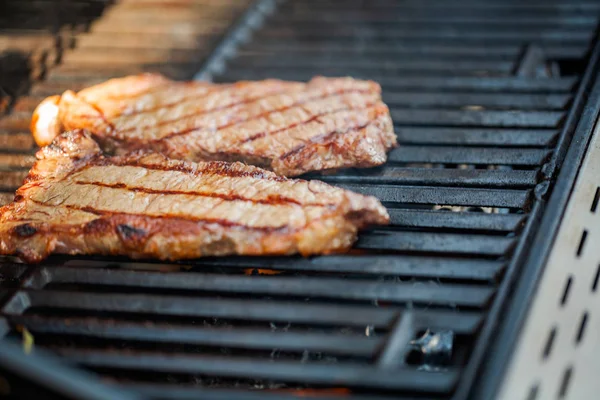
[(559, 341), (482, 131)]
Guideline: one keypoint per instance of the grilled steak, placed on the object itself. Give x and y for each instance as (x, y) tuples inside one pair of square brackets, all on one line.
[(288, 127), (76, 200)]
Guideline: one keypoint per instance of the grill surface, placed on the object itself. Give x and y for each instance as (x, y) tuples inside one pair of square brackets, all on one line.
[(484, 97)]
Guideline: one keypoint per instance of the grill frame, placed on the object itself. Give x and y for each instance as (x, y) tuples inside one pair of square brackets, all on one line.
[(534, 217), (552, 212)]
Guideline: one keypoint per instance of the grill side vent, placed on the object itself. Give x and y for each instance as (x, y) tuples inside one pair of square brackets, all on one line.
[(562, 326)]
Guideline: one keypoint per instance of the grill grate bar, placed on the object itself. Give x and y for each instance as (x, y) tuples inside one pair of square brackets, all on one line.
[(390, 52), (13, 123), (471, 33), (475, 136), (26, 105), (50, 88), (436, 243), (472, 10), (269, 285), (6, 198), (80, 73), (137, 42), (397, 265), (499, 67), (485, 101), (444, 196), (530, 119), (455, 220), (484, 84), (160, 306), (16, 141), (429, 176), (140, 27), (486, 21), (111, 57), (332, 343), (12, 161), (11, 180), (380, 75), (347, 375), (468, 155)]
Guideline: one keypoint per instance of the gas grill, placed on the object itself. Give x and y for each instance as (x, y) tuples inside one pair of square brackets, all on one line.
[(493, 103)]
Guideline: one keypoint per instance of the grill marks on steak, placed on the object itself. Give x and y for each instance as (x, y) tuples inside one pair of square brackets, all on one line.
[(340, 122), (75, 200)]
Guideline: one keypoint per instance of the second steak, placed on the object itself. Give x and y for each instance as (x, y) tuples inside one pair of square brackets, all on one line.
[(288, 127)]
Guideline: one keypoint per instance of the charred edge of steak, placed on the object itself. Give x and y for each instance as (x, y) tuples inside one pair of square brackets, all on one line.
[(25, 230), (130, 235)]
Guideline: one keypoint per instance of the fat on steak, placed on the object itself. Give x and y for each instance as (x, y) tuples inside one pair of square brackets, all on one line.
[(76, 200), (287, 127)]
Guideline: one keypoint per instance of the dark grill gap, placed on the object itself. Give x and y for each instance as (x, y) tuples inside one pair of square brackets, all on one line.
[(479, 93)]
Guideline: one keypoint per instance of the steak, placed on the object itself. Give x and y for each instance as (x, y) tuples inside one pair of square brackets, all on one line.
[(287, 127), (76, 200)]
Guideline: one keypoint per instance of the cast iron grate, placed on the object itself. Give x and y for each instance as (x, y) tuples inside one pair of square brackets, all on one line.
[(484, 96)]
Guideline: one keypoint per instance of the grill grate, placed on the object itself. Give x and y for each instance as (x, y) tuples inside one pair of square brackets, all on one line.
[(480, 93)]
